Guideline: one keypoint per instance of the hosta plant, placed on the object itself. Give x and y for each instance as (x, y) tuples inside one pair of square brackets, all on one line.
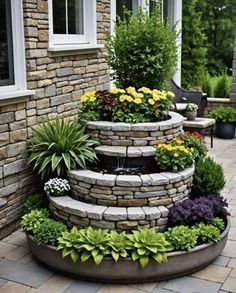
[(32, 221), (118, 245), (58, 146), (175, 158), (207, 233), (49, 231), (146, 243), (129, 105), (182, 237)]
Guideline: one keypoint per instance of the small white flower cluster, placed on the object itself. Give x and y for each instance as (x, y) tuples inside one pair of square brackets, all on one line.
[(56, 186)]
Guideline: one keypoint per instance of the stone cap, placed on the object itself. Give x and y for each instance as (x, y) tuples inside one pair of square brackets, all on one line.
[(154, 179), (174, 121), (124, 151)]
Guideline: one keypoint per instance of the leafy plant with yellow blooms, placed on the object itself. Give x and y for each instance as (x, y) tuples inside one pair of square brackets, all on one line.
[(173, 158), (127, 105)]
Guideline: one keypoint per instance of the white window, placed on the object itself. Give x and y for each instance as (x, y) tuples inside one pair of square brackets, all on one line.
[(72, 23), (12, 50)]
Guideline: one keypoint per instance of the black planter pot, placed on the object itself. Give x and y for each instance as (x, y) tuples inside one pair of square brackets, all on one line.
[(225, 130)]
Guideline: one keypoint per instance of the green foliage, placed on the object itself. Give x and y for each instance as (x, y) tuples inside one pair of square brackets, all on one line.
[(218, 223), (195, 144), (208, 177), (117, 245), (173, 158), (223, 114), (34, 202), (182, 237), (193, 47), (206, 85), (59, 145), (146, 243), (207, 233), (49, 231), (222, 88), (32, 221), (142, 51)]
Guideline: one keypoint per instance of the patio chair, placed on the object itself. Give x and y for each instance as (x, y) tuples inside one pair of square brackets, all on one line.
[(183, 96)]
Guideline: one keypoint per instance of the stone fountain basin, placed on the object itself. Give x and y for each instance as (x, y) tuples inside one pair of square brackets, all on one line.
[(125, 270)]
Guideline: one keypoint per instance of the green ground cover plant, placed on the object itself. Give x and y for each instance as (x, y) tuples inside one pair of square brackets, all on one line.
[(31, 222), (34, 202)]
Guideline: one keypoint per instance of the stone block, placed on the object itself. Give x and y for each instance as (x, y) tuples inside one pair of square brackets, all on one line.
[(96, 212), (151, 213), (158, 179), (127, 225), (121, 127), (134, 152), (149, 194), (135, 213), (6, 117), (102, 224), (114, 151), (14, 167), (107, 180), (145, 126), (128, 180), (173, 177), (115, 214), (64, 71), (164, 211)]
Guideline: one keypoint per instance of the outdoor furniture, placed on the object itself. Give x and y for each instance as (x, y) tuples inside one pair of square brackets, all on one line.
[(183, 96), (200, 125)]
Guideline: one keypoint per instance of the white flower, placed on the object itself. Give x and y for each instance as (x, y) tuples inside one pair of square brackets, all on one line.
[(56, 186)]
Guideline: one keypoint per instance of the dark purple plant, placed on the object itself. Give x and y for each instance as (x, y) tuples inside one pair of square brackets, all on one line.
[(203, 209)]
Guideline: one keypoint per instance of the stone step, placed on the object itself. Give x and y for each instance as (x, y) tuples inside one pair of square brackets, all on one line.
[(123, 151), (75, 212), (157, 189)]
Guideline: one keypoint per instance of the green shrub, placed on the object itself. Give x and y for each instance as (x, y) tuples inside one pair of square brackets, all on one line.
[(34, 202), (218, 223), (49, 231), (182, 237), (223, 114), (146, 243), (208, 177), (207, 85), (32, 221), (173, 158), (142, 51), (207, 233), (222, 88), (59, 145)]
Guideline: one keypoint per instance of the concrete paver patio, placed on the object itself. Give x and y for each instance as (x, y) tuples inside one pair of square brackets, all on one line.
[(19, 271)]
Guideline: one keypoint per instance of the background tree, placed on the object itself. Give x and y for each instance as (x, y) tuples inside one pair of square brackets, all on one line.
[(193, 45)]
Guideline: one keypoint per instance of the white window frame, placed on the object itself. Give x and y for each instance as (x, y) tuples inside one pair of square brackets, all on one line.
[(19, 88), (67, 41)]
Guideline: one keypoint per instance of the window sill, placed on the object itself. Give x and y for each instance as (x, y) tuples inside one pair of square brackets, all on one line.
[(65, 50), (17, 96)]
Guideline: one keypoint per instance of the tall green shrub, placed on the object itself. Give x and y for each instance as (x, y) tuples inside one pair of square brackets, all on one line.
[(193, 48), (142, 51), (222, 88)]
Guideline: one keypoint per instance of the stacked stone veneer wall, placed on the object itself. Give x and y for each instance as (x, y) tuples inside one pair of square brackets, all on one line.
[(233, 88), (139, 134), (161, 189), (58, 83)]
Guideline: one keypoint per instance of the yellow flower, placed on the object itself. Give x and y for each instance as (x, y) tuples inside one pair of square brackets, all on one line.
[(91, 93), (84, 98), (117, 91), (137, 101), (137, 95), (131, 90), (170, 94), (155, 97), (92, 99), (176, 155), (123, 98), (151, 101), (130, 99), (145, 90)]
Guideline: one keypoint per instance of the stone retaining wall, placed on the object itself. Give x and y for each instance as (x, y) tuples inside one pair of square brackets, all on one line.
[(81, 214), (59, 82), (161, 189), (139, 134)]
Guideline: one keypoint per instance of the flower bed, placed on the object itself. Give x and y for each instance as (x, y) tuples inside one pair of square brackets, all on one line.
[(127, 271)]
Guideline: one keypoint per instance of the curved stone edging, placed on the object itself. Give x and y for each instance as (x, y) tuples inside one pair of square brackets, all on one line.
[(158, 189), (127, 271), (136, 134), (74, 212)]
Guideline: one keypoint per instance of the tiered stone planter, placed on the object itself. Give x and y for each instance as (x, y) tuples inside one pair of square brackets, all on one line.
[(125, 202)]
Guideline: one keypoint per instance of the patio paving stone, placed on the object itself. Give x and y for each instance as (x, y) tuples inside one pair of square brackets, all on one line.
[(111, 288), (28, 275), (190, 285), (230, 285), (11, 287), (232, 263), (221, 261), (146, 287), (2, 281), (83, 287), (213, 273)]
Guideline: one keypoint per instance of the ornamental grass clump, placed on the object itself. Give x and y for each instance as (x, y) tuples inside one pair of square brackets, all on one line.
[(175, 158), (208, 177), (129, 105), (58, 146), (56, 187), (142, 51)]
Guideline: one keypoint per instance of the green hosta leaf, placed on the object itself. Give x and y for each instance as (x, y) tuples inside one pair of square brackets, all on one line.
[(67, 251), (115, 255), (85, 256), (98, 259), (74, 256), (144, 260), (135, 255)]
